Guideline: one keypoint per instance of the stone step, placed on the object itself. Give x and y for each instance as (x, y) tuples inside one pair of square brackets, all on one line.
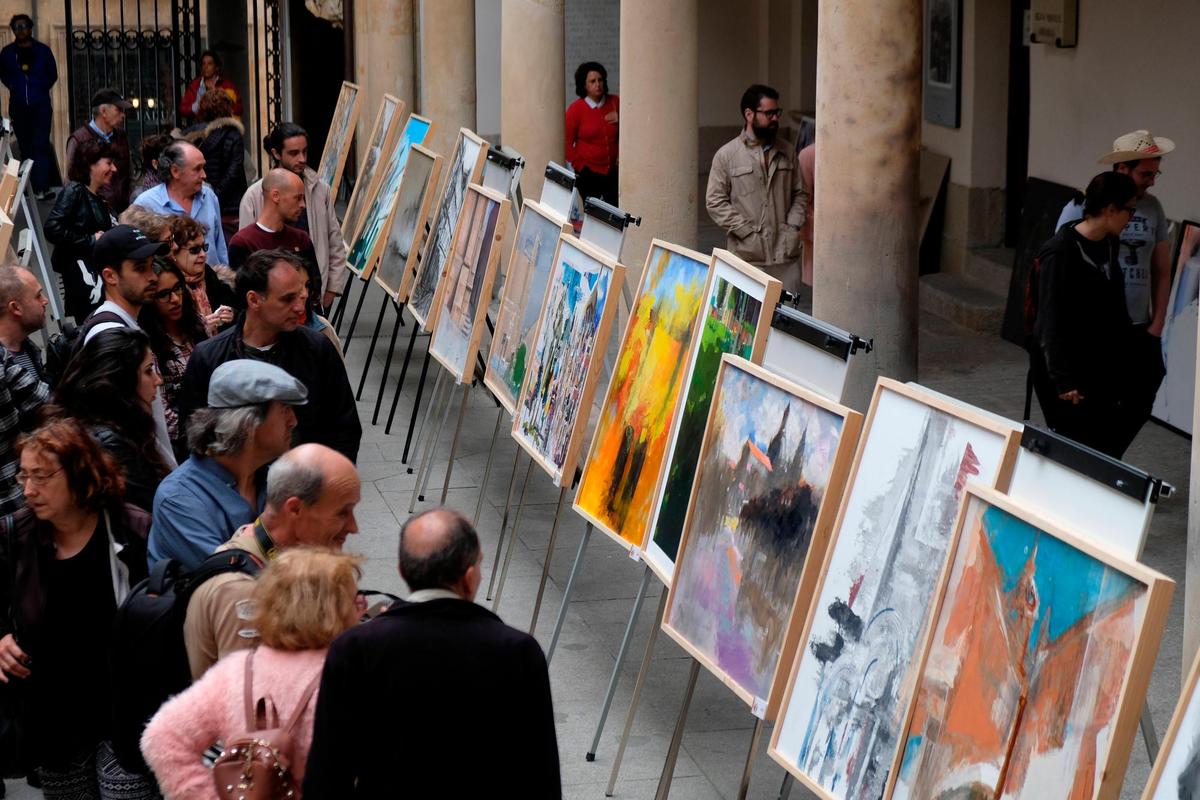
[(990, 267), (962, 301)]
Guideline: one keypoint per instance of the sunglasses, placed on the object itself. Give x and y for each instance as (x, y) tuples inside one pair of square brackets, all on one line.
[(166, 294), (22, 26), (197, 249)]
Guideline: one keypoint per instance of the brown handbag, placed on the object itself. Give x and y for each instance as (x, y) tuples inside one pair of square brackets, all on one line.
[(257, 765)]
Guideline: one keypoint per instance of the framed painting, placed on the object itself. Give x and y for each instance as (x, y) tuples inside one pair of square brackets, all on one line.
[(406, 229), (341, 131), (943, 62), (1034, 674), (853, 675), (383, 137), (576, 319), (1176, 772), (467, 285), (6, 234), (737, 318), (620, 476), (521, 300), (770, 471), (1177, 395), (10, 178), (367, 246), (464, 168)]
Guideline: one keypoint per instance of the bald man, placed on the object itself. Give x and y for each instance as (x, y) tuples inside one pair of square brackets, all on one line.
[(438, 681), (312, 491), (283, 202)]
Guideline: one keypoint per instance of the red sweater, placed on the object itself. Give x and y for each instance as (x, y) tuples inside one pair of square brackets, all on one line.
[(592, 142)]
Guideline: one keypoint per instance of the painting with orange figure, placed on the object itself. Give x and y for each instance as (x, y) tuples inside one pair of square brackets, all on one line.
[(621, 472), (1026, 668)]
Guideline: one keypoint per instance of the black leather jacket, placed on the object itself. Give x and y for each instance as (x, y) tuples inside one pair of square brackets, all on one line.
[(73, 223)]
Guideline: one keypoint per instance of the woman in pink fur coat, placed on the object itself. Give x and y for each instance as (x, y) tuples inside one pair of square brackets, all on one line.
[(302, 601)]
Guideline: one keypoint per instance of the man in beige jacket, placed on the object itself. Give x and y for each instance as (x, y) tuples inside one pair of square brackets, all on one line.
[(287, 145), (755, 192)]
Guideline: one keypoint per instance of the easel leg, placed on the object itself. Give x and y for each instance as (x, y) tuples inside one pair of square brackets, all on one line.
[(566, 601), (616, 673), (420, 432), (487, 470), (462, 412), (371, 350), (362, 295), (668, 773), (412, 419), (537, 603), (339, 314), (512, 540), (387, 364), (512, 482), (426, 467), (747, 770), (1149, 735), (643, 671), (785, 789), (412, 340)]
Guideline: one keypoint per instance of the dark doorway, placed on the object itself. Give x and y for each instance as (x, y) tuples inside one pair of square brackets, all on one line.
[(1018, 122), (317, 69)]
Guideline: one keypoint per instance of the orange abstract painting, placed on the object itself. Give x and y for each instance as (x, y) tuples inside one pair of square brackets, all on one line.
[(619, 478)]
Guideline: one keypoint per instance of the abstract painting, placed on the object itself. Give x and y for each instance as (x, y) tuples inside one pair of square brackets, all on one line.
[(1177, 394), (387, 124), (467, 287), (1176, 774), (737, 316), (768, 478), (853, 678), (341, 130), (465, 167), (555, 400), (368, 243), (1027, 688), (407, 227), (620, 476), (521, 301)]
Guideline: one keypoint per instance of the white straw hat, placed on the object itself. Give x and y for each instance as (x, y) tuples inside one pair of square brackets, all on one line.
[(1138, 145)]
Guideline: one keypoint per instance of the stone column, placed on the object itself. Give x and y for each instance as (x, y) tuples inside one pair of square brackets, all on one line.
[(447, 69), (531, 85), (868, 143), (384, 59), (660, 121)]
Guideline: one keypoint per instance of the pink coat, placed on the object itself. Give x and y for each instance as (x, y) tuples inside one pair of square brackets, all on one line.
[(212, 709)]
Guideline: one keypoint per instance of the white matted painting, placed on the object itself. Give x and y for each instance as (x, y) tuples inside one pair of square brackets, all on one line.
[(383, 135), (341, 131), (1176, 773), (1176, 397), (409, 223)]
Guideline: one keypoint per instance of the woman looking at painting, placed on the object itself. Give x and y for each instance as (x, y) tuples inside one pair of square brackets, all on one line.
[(591, 133)]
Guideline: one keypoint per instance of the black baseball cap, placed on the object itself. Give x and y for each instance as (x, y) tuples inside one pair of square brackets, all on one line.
[(125, 242), (110, 97)]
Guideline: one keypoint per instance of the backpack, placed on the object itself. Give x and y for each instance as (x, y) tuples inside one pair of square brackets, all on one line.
[(61, 347), (258, 764), (149, 659)]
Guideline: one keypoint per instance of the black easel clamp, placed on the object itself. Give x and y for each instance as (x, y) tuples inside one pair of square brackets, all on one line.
[(560, 175), (823, 336), (609, 214), (504, 160), (1104, 469)]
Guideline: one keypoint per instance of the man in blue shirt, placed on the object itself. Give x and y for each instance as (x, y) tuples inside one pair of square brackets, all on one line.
[(28, 70), (248, 424), (183, 192)]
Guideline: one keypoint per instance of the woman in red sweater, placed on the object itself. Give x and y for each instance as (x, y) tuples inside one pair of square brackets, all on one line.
[(592, 124)]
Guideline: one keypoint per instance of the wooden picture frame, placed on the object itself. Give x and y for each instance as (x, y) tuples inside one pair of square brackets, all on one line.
[(1000, 435), (341, 133), (430, 267), (367, 246), (650, 460), (382, 139), (524, 290), (463, 284), (752, 282), (10, 179), (1110, 767), (569, 251), (6, 232), (1176, 396), (1188, 707), (766, 705), (429, 174)]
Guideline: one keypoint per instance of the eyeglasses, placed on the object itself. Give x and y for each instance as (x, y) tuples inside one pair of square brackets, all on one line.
[(36, 478), (1129, 209), (165, 294), (1149, 173), (770, 113), (197, 249)]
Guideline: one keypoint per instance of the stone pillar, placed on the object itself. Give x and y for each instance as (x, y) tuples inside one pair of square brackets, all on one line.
[(660, 121), (531, 85), (384, 59), (869, 137), (447, 69)]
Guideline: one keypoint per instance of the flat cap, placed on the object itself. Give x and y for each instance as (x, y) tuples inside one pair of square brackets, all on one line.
[(246, 382)]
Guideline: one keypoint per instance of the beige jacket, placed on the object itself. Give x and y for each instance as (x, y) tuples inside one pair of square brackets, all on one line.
[(760, 206), (323, 227), (212, 627)]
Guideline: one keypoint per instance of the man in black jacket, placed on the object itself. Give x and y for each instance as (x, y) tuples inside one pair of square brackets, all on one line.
[(272, 282), (437, 682)]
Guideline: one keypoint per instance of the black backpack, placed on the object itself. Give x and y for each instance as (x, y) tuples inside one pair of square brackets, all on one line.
[(149, 660), (61, 347)]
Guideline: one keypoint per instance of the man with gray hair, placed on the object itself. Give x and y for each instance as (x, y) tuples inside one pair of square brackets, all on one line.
[(184, 192), (311, 495), (108, 114), (247, 424)]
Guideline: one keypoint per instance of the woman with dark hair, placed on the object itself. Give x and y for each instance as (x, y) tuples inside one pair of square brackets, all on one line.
[(222, 141), (110, 386), (69, 557), (213, 298), (1081, 344), (591, 133), (78, 218), (174, 329), (152, 147)]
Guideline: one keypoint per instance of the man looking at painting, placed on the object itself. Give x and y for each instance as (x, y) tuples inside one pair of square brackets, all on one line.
[(755, 192)]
